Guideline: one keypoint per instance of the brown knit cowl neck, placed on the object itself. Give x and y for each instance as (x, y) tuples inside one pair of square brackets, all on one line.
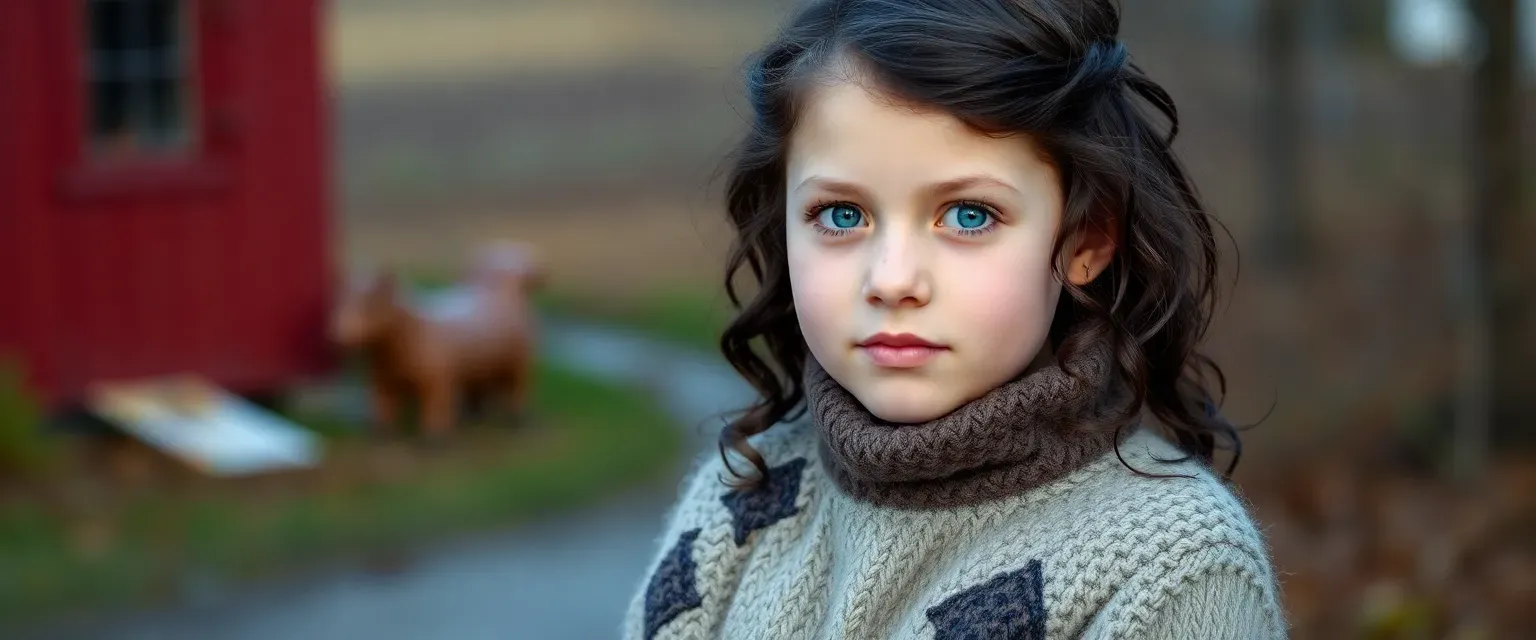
[(1023, 434)]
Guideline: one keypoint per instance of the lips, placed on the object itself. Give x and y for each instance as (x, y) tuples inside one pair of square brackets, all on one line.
[(898, 340), (900, 351)]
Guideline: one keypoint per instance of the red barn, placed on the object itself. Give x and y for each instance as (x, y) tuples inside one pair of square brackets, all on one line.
[(163, 191)]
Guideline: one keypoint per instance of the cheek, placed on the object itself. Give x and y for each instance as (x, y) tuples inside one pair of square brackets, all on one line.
[(825, 287), (1007, 300)]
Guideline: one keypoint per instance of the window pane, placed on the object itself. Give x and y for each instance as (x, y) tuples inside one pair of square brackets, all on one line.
[(108, 25), (160, 25), (164, 117), (136, 73), (111, 108)]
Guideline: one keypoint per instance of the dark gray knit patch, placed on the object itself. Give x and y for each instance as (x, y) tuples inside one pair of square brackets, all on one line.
[(672, 590), (769, 502), (1010, 606)]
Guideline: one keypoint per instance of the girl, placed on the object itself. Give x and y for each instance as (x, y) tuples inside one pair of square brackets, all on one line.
[(979, 267)]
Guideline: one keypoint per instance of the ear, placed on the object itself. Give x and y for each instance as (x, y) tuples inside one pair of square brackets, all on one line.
[(1092, 251)]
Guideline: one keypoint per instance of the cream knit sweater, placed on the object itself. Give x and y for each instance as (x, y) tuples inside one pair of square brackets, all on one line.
[(1099, 553)]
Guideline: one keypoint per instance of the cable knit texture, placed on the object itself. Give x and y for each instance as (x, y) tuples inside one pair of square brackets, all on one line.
[(1056, 550), (1020, 435)]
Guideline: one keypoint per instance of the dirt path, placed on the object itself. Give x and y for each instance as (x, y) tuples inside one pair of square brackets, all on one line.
[(630, 248), (389, 42)]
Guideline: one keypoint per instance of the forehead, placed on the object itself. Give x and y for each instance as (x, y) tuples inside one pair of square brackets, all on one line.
[(848, 127)]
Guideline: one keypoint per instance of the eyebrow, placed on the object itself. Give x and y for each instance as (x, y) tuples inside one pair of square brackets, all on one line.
[(952, 185)]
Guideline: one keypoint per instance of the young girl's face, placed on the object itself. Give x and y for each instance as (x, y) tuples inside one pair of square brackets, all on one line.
[(919, 251)]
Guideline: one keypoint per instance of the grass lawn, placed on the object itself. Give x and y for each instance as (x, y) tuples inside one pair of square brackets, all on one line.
[(690, 318), (130, 526)]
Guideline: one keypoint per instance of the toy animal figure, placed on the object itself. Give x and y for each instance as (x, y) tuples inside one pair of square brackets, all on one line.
[(478, 339)]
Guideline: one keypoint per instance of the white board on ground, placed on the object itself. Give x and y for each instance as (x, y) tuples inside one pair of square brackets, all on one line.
[(214, 431)]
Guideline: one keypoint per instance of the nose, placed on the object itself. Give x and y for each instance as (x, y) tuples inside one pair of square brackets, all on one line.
[(897, 275)]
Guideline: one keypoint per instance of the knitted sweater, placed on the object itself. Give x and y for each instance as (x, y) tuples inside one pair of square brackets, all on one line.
[(1098, 552)]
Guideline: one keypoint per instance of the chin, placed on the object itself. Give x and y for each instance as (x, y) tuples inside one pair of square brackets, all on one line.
[(894, 402)]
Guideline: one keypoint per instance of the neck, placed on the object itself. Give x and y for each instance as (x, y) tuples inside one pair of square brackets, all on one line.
[(1055, 418)]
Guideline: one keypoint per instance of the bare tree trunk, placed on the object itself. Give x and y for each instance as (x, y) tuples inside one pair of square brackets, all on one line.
[(1495, 395), (1280, 243)]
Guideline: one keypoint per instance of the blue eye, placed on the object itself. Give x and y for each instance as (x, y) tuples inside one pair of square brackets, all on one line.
[(840, 217), (968, 217)]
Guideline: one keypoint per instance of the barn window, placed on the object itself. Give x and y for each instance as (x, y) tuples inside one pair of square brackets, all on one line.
[(137, 72)]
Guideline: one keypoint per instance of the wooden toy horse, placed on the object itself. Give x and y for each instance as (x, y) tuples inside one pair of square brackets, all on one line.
[(482, 341)]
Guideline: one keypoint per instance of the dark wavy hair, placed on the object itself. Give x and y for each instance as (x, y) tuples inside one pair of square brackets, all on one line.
[(1051, 69)]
